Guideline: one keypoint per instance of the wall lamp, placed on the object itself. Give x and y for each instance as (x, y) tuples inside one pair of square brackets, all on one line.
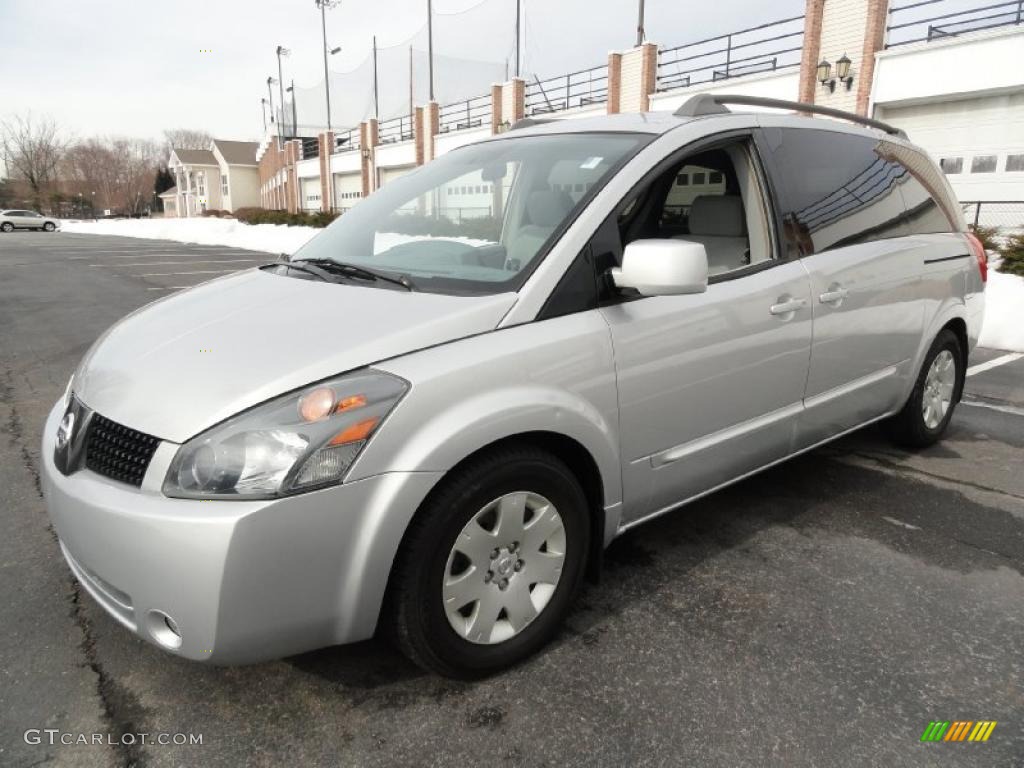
[(842, 73)]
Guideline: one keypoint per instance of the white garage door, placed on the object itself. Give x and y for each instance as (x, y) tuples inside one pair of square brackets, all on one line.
[(385, 175), (973, 138), (348, 189), (310, 192)]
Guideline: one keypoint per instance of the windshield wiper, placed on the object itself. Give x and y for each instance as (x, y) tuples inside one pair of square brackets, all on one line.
[(321, 274), (353, 270)]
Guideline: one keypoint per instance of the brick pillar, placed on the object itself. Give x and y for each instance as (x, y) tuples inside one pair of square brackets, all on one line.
[(648, 74), (614, 82), (326, 146), (366, 167), (292, 153), (430, 125), (638, 70), (417, 132), (809, 58), (495, 109), (874, 41), (513, 100)]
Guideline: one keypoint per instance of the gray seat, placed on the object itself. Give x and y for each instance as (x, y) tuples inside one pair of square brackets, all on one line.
[(719, 224), (545, 209)]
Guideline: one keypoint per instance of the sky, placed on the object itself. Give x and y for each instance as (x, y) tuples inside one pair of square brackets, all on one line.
[(136, 67)]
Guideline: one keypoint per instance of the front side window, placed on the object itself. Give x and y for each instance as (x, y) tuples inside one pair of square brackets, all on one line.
[(478, 219), (722, 208), (836, 189)]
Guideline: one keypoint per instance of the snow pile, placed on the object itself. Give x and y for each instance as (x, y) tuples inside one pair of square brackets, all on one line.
[(1004, 312), (273, 238)]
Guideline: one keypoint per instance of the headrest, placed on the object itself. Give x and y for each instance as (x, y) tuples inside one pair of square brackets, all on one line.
[(717, 215), (547, 208)]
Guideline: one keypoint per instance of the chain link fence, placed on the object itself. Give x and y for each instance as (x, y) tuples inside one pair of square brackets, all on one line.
[(1006, 216)]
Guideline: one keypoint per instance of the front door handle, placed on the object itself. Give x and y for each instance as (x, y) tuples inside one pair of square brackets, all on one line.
[(787, 307), (833, 296)]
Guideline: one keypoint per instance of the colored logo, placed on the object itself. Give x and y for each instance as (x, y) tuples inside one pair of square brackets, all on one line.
[(958, 730)]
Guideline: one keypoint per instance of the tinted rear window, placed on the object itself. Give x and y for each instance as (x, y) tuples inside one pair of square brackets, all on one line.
[(838, 189)]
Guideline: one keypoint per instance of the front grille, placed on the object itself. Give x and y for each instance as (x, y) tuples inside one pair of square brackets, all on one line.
[(117, 452)]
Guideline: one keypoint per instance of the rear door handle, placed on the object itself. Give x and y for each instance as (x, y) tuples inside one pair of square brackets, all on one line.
[(787, 307), (834, 296)]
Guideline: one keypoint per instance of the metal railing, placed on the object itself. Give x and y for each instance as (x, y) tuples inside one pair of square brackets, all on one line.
[(394, 130), (764, 48), (471, 113), (576, 89), (920, 22), (310, 148), (347, 141)]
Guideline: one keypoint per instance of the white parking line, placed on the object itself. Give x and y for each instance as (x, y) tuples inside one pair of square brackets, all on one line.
[(988, 366), (1013, 410), (197, 272)]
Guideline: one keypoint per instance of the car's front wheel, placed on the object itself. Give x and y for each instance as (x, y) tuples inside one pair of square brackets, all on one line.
[(49, 226), (6, 226), (490, 565), (927, 413)]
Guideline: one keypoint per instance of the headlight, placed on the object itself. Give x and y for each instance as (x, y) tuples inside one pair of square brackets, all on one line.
[(303, 440)]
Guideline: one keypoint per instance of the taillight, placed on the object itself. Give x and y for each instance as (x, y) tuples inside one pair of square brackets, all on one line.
[(979, 254)]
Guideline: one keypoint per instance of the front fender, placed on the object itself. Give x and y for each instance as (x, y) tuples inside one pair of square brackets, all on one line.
[(556, 376)]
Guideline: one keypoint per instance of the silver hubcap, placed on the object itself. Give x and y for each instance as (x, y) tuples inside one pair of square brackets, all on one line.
[(504, 567), (938, 389)]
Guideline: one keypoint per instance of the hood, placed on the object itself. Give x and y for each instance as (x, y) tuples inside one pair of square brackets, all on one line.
[(191, 360)]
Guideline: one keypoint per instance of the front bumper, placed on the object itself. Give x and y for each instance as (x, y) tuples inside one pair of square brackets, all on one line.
[(242, 581)]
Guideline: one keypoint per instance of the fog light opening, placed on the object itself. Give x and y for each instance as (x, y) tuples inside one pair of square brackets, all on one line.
[(164, 629)]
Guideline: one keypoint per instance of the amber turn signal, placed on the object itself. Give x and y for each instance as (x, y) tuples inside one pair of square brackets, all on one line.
[(353, 434)]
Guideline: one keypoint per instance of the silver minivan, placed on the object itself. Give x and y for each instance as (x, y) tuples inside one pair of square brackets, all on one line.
[(431, 421)]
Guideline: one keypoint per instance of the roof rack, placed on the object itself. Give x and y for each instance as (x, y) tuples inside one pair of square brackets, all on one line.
[(711, 104)]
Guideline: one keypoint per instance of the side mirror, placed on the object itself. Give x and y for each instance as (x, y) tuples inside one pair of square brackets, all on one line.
[(663, 267)]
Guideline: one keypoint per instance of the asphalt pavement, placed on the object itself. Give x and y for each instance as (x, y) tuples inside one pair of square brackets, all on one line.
[(820, 613)]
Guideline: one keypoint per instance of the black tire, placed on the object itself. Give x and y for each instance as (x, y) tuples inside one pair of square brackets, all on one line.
[(908, 428), (6, 226), (49, 226), (415, 617)]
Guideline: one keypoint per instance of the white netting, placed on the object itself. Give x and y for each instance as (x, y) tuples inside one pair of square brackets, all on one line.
[(465, 66)]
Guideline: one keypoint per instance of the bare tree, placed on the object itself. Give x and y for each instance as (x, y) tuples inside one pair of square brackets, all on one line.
[(32, 151), (117, 173), (136, 161), (186, 138)]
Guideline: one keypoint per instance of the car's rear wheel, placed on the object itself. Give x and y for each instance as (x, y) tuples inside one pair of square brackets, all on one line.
[(490, 565), (49, 226), (6, 226), (927, 413)]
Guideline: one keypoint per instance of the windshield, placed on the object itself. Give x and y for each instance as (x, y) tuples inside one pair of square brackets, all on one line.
[(475, 220)]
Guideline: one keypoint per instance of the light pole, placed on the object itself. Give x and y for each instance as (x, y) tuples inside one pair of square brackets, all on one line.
[(640, 26), (281, 51), (430, 48), (323, 5), (270, 93), (263, 104)]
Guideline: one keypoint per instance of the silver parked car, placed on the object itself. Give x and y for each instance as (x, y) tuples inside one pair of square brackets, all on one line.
[(436, 416), (20, 219)]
